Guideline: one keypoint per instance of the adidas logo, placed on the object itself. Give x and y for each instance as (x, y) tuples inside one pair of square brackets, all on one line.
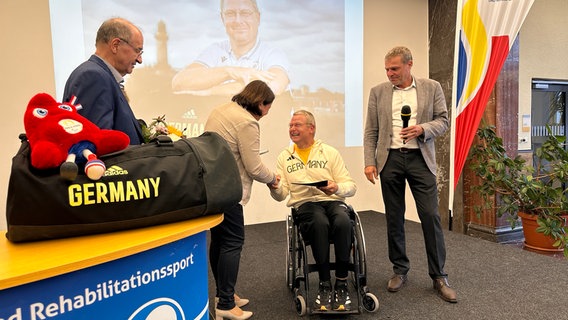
[(190, 114), (115, 171)]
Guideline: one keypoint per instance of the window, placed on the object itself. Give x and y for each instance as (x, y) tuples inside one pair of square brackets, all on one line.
[(548, 107)]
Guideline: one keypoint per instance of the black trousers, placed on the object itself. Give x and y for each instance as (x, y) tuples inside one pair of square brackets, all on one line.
[(399, 168), (318, 222), (225, 248)]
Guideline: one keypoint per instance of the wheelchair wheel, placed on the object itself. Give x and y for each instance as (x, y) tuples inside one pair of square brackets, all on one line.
[(362, 250), (370, 302), (301, 307), (290, 254)]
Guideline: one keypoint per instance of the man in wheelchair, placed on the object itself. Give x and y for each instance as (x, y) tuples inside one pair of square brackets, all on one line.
[(314, 175)]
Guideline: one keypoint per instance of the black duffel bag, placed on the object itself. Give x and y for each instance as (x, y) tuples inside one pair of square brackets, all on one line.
[(151, 184)]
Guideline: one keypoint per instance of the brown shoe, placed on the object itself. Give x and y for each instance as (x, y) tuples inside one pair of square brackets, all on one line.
[(444, 290), (396, 282)]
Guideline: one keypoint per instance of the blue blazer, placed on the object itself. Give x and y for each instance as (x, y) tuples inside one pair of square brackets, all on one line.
[(103, 102)]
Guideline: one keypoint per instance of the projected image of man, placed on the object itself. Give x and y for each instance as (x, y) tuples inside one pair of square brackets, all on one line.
[(226, 67)]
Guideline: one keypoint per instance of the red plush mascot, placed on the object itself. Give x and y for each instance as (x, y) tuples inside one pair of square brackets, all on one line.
[(60, 137)]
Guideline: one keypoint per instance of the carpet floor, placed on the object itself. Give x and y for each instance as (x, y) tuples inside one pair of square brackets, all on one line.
[(493, 281)]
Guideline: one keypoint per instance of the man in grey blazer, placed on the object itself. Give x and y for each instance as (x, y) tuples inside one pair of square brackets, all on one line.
[(97, 82), (403, 150)]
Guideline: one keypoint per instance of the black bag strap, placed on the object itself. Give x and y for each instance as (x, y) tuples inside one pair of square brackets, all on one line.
[(163, 140)]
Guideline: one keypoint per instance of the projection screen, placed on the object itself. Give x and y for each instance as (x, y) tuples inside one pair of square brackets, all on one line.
[(320, 40)]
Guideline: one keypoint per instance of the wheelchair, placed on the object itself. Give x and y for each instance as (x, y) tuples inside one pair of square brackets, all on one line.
[(300, 264)]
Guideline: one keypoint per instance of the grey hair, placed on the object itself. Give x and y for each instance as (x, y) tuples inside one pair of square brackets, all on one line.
[(403, 52), (310, 119)]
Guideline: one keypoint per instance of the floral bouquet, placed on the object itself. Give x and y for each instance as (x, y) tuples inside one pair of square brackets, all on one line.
[(159, 127)]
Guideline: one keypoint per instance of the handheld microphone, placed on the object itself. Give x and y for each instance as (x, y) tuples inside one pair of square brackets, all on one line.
[(405, 113)]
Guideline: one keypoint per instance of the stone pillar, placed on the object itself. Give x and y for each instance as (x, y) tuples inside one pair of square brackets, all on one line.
[(442, 26), (502, 112)]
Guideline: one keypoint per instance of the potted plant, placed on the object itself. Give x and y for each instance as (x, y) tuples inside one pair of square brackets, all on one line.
[(522, 189)]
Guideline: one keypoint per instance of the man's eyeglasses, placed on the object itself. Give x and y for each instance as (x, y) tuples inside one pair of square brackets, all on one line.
[(232, 14), (299, 125), (138, 51)]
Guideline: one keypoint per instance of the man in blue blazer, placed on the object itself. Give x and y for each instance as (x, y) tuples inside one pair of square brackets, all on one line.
[(404, 117), (97, 82)]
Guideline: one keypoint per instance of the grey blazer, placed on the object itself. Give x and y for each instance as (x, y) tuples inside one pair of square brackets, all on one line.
[(432, 115)]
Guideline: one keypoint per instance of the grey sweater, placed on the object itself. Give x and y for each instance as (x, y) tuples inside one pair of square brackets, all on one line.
[(242, 132)]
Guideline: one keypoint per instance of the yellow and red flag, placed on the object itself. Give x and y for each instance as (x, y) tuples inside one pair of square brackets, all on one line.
[(486, 30)]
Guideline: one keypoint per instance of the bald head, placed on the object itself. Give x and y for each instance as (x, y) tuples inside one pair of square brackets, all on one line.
[(116, 28), (120, 43)]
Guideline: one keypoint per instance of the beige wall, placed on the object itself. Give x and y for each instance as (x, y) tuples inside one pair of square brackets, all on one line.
[(543, 45), (27, 68)]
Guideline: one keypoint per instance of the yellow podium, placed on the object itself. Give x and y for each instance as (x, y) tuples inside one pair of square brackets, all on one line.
[(158, 272)]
